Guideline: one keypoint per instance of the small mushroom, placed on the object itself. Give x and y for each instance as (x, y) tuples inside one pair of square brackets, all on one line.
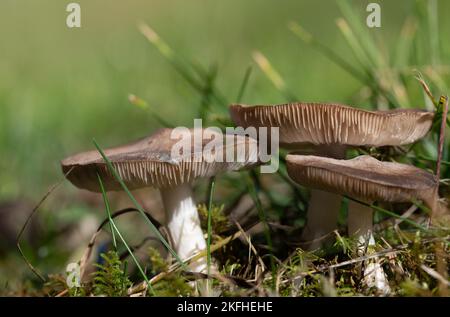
[(365, 178), (151, 162), (332, 128), (369, 180)]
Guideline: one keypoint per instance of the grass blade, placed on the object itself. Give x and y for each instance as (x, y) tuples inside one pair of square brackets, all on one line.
[(433, 31), (108, 211), (208, 241), (306, 37), (354, 44), (273, 75), (405, 42), (359, 32), (138, 206), (365, 77), (428, 159), (392, 214), (443, 102), (135, 100), (207, 92), (113, 225), (180, 66), (247, 74)]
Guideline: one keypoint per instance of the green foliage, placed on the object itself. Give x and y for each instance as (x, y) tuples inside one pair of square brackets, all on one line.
[(346, 245), (111, 277), (157, 263), (219, 222), (174, 284)]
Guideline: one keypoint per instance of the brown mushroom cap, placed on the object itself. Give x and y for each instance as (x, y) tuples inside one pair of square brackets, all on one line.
[(363, 177), (148, 162), (321, 123)]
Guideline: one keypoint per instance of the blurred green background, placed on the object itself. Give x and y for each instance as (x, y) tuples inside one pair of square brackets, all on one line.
[(61, 87)]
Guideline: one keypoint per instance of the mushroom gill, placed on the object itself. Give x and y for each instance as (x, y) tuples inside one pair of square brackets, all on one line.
[(321, 123), (364, 178)]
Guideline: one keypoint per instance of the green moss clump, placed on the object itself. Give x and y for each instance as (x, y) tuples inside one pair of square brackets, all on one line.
[(111, 278), (173, 284), (219, 222)]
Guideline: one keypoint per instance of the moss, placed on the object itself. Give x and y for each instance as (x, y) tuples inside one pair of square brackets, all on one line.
[(173, 284), (219, 222), (111, 278)]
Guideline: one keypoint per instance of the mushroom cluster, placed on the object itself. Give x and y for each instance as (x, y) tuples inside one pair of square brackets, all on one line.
[(330, 129), (324, 131)]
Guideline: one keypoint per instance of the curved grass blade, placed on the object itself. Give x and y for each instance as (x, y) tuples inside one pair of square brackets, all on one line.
[(22, 230), (114, 228), (392, 214), (180, 66), (365, 77), (141, 103), (273, 75), (138, 206), (108, 211), (306, 37)]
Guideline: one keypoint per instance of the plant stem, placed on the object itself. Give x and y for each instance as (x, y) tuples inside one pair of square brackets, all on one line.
[(443, 101), (108, 211), (244, 84), (208, 241)]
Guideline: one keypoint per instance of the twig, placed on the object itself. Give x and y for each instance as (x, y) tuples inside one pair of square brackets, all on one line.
[(425, 87), (406, 215), (435, 274), (443, 100), (362, 259), (88, 251), (175, 266), (22, 230), (249, 241)]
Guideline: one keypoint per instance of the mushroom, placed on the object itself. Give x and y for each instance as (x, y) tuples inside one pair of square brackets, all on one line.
[(331, 128), (169, 159), (369, 180)]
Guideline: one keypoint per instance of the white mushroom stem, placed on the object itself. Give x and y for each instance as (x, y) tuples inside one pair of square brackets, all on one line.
[(323, 211), (321, 218), (360, 225), (183, 224)]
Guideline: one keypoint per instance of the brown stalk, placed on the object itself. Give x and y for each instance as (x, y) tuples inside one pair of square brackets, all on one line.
[(443, 100), (22, 230)]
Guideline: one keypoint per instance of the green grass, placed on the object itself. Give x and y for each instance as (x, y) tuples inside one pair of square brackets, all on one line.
[(108, 212)]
